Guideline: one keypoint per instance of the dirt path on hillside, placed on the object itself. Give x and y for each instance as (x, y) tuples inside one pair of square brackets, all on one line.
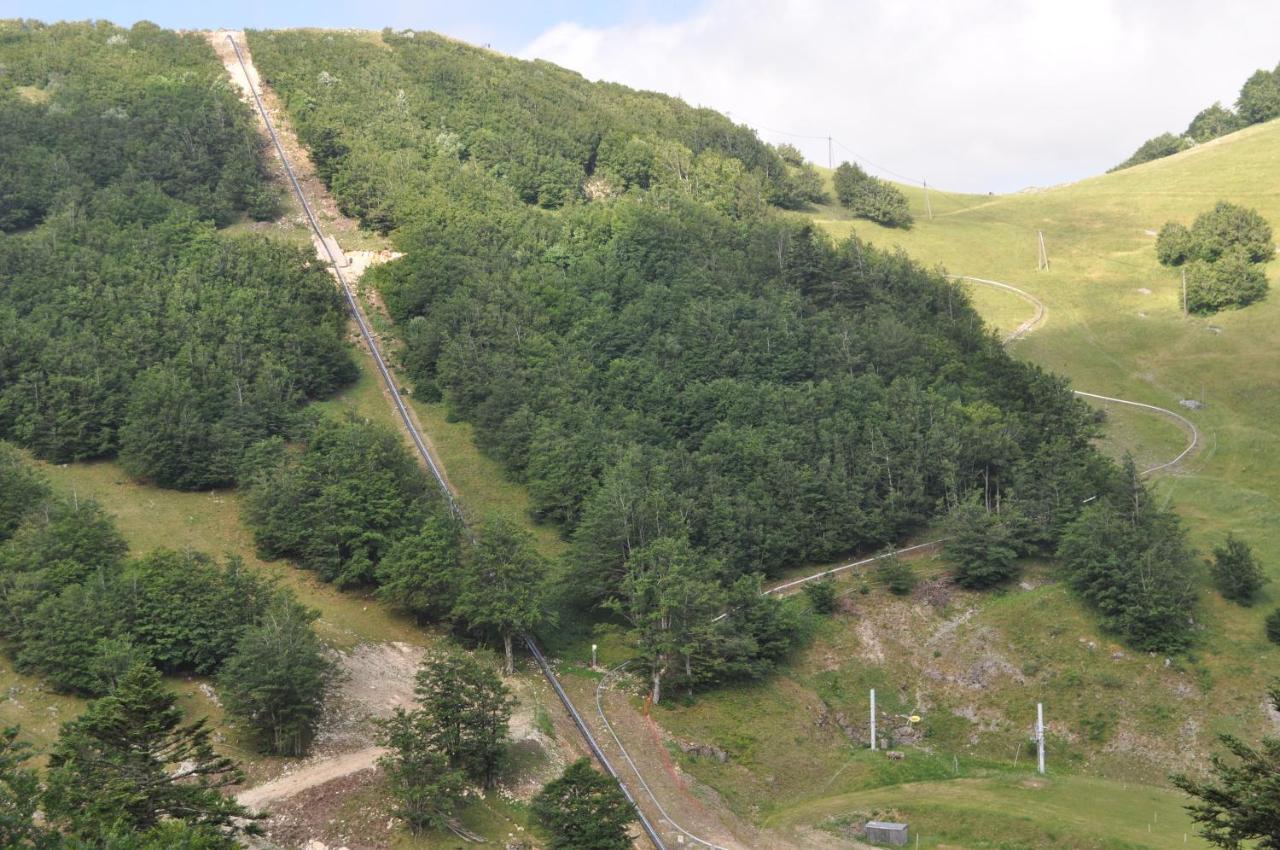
[(336, 226), (1037, 321), (372, 681), (309, 775)]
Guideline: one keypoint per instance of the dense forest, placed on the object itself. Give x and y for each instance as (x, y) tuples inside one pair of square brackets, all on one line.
[(127, 324), (696, 387)]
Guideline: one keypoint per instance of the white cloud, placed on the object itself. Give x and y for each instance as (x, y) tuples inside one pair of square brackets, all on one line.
[(977, 95)]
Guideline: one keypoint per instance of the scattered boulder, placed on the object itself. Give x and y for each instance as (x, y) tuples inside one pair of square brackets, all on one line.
[(696, 750)]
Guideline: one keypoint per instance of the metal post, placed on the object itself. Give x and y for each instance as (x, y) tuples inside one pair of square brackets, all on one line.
[(873, 718), (593, 656), (1040, 733)]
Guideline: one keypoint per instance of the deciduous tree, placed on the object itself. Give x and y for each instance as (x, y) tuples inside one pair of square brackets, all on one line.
[(275, 680), (464, 710), (426, 788), (502, 587)]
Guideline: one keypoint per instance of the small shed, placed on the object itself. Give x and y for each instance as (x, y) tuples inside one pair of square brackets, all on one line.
[(883, 832)]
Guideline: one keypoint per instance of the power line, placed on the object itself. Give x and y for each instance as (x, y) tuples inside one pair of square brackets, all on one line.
[(830, 139), (879, 167)]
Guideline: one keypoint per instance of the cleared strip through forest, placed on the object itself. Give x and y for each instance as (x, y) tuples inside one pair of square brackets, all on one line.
[(418, 441)]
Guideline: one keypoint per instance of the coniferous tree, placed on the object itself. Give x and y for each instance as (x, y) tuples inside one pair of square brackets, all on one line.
[(822, 595), (130, 763), (1240, 802), (20, 797), (1272, 626), (1236, 573), (896, 575), (584, 810), (980, 546), (1129, 560), (22, 490)]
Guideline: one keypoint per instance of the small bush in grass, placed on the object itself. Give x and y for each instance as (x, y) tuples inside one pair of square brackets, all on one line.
[(895, 575), (822, 595), (1273, 626), (1235, 571)]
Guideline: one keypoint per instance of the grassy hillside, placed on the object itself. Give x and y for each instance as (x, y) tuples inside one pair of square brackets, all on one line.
[(975, 666), (1115, 324)]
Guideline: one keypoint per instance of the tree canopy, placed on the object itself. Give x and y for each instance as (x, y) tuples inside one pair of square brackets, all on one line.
[(128, 325), (1259, 101), (1223, 253), (698, 389), (584, 810), (870, 197), (338, 504)]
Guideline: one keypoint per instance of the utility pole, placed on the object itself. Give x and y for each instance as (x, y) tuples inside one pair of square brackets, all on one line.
[(873, 718), (928, 206), (1042, 261), (830, 157), (1184, 293), (1040, 734)]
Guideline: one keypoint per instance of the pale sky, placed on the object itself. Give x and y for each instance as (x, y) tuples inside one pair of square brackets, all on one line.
[(975, 95)]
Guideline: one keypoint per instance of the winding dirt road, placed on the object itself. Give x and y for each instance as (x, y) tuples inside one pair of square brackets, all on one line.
[(1039, 319)]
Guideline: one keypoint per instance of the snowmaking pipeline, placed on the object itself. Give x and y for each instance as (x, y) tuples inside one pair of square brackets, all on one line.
[(403, 410)]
